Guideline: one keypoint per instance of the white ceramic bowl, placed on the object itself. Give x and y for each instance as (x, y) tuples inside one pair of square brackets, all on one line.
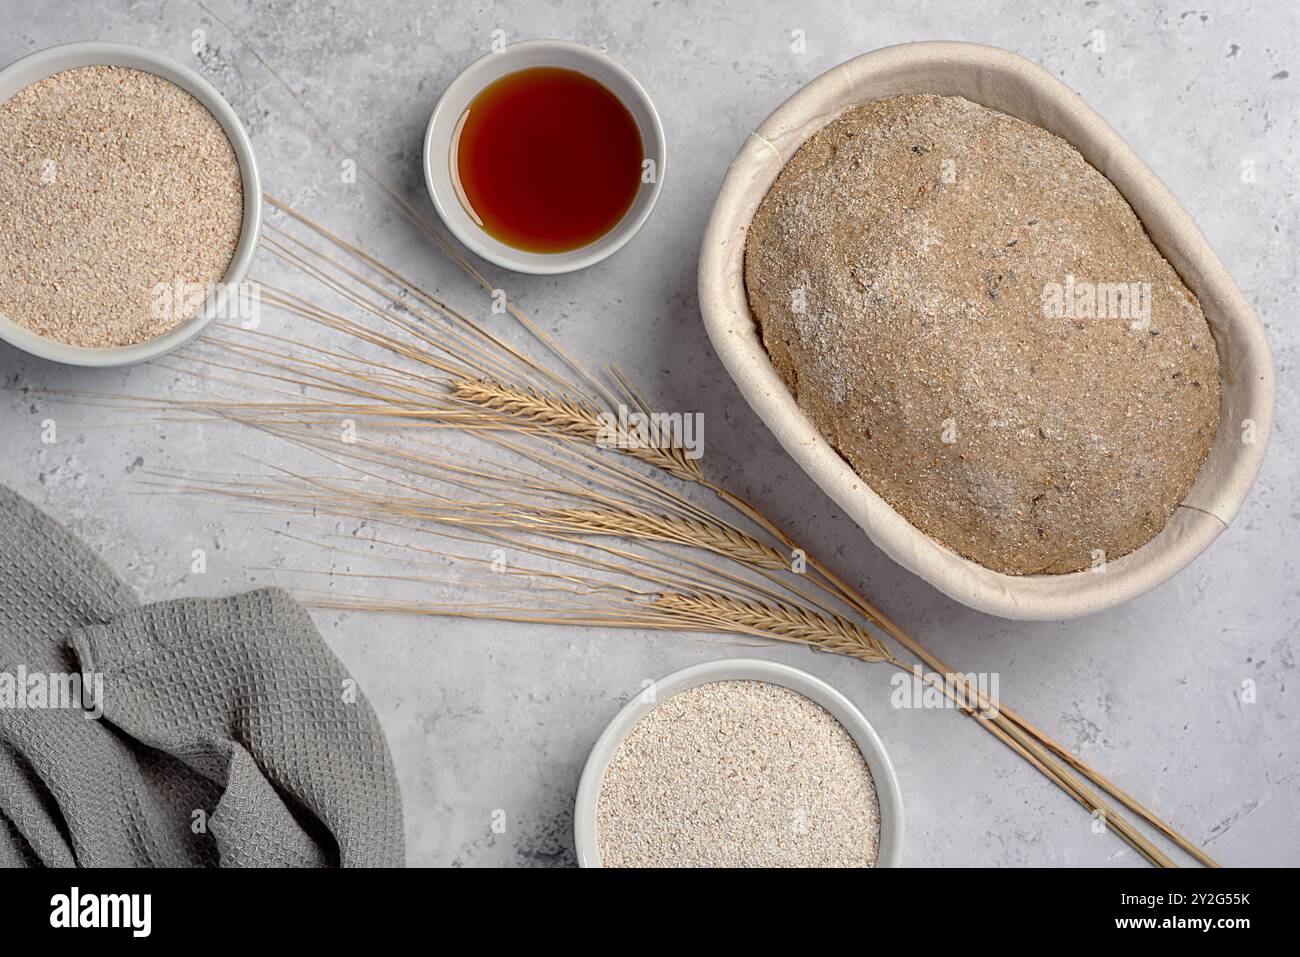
[(439, 151), (890, 850), (1009, 83), (44, 63)]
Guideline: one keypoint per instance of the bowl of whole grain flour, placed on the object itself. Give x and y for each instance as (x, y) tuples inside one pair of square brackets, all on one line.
[(739, 763), (130, 205), (987, 330)]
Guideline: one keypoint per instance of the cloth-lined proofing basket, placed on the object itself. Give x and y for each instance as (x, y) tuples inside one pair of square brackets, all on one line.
[(1002, 81)]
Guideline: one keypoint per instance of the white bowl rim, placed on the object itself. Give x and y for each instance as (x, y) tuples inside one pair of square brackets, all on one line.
[(466, 85), (889, 794), (84, 53), (991, 76)]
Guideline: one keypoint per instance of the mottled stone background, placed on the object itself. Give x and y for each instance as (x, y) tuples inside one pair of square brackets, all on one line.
[(485, 717)]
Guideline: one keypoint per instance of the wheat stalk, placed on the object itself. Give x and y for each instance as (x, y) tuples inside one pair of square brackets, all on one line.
[(572, 418), (780, 622), (710, 536)]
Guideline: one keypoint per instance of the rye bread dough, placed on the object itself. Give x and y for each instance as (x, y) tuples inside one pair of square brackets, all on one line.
[(921, 272)]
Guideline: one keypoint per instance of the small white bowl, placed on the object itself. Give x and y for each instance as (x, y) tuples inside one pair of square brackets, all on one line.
[(440, 156), (45, 63), (890, 850)]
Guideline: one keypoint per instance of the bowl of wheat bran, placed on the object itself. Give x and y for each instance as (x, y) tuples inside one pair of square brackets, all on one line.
[(1202, 461), (741, 762), (130, 204)]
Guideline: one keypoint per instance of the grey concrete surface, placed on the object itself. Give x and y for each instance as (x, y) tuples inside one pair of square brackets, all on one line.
[(486, 718)]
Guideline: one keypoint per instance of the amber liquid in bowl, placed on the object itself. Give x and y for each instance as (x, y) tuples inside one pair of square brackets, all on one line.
[(548, 159)]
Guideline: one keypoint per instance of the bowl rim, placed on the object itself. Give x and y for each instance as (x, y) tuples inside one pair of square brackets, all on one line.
[(885, 777), (1012, 84), (492, 66), (45, 63)]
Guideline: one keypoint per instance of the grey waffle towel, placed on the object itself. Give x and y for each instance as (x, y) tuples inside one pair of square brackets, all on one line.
[(230, 734)]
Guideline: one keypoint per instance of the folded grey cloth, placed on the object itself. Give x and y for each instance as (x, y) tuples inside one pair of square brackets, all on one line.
[(230, 734)]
